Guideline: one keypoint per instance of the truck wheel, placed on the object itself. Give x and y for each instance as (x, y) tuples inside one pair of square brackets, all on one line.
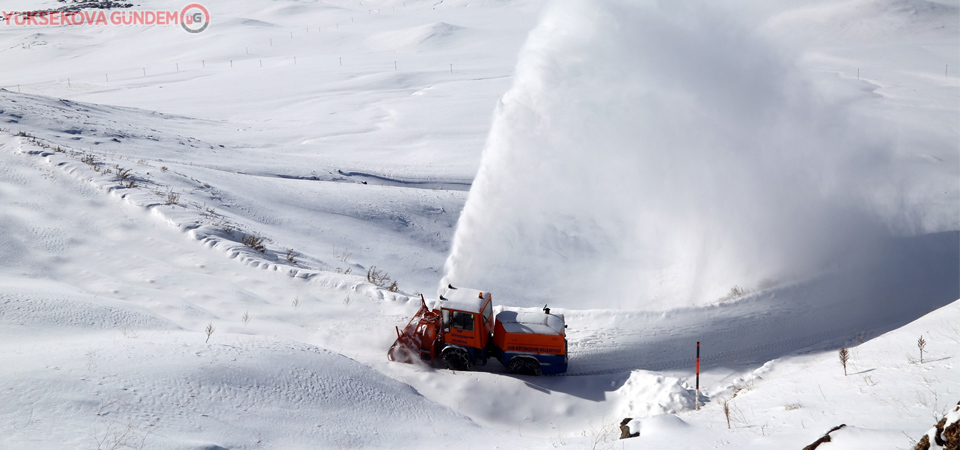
[(522, 365), (456, 359)]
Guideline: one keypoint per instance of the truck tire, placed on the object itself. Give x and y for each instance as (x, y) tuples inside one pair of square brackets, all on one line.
[(456, 359), (524, 365)]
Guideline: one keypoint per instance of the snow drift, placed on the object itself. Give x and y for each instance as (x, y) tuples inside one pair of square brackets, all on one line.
[(667, 148)]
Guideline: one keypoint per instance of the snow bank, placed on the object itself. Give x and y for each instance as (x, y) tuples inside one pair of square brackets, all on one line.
[(647, 394), (665, 425), (665, 147)]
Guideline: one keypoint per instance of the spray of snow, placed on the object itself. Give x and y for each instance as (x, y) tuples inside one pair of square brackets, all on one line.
[(654, 155)]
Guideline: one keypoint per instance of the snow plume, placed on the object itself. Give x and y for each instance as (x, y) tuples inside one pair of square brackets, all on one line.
[(654, 154)]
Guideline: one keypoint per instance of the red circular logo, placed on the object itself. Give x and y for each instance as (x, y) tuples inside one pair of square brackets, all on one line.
[(194, 18)]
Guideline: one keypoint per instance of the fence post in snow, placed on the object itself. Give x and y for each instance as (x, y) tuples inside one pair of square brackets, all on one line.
[(178, 67), (144, 71), (698, 376), (341, 60), (68, 83)]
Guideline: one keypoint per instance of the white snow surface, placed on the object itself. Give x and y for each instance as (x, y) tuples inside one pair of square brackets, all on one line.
[(348, 136)]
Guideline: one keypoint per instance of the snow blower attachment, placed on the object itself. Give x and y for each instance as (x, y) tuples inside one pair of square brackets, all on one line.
[(463, 333), (419, 338)]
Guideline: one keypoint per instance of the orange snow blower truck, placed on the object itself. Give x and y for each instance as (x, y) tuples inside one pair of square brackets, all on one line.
[(463, 332)]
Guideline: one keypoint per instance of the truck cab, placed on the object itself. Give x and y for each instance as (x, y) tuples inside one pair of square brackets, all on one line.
[(467, 326)]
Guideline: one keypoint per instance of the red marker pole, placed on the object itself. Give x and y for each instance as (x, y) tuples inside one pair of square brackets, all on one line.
[(698, 375)]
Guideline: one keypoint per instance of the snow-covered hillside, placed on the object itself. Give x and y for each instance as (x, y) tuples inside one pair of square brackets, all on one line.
[(135, 161)]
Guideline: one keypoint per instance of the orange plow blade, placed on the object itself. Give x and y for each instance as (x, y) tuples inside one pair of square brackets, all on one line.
[(419, 339)]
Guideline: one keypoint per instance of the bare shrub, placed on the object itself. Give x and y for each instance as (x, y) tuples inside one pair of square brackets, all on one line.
[(225, 226), (600, 436), (113, 404), (291, 256), (115, 435), (246, 317), (735, 293), (921, 344), (209, 330), (726, 412), (380, 278), (347, 300), (844, 357), (255, 242), (163, 168), (296, 302), (122, 174), (341, 255), (173, 198)]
